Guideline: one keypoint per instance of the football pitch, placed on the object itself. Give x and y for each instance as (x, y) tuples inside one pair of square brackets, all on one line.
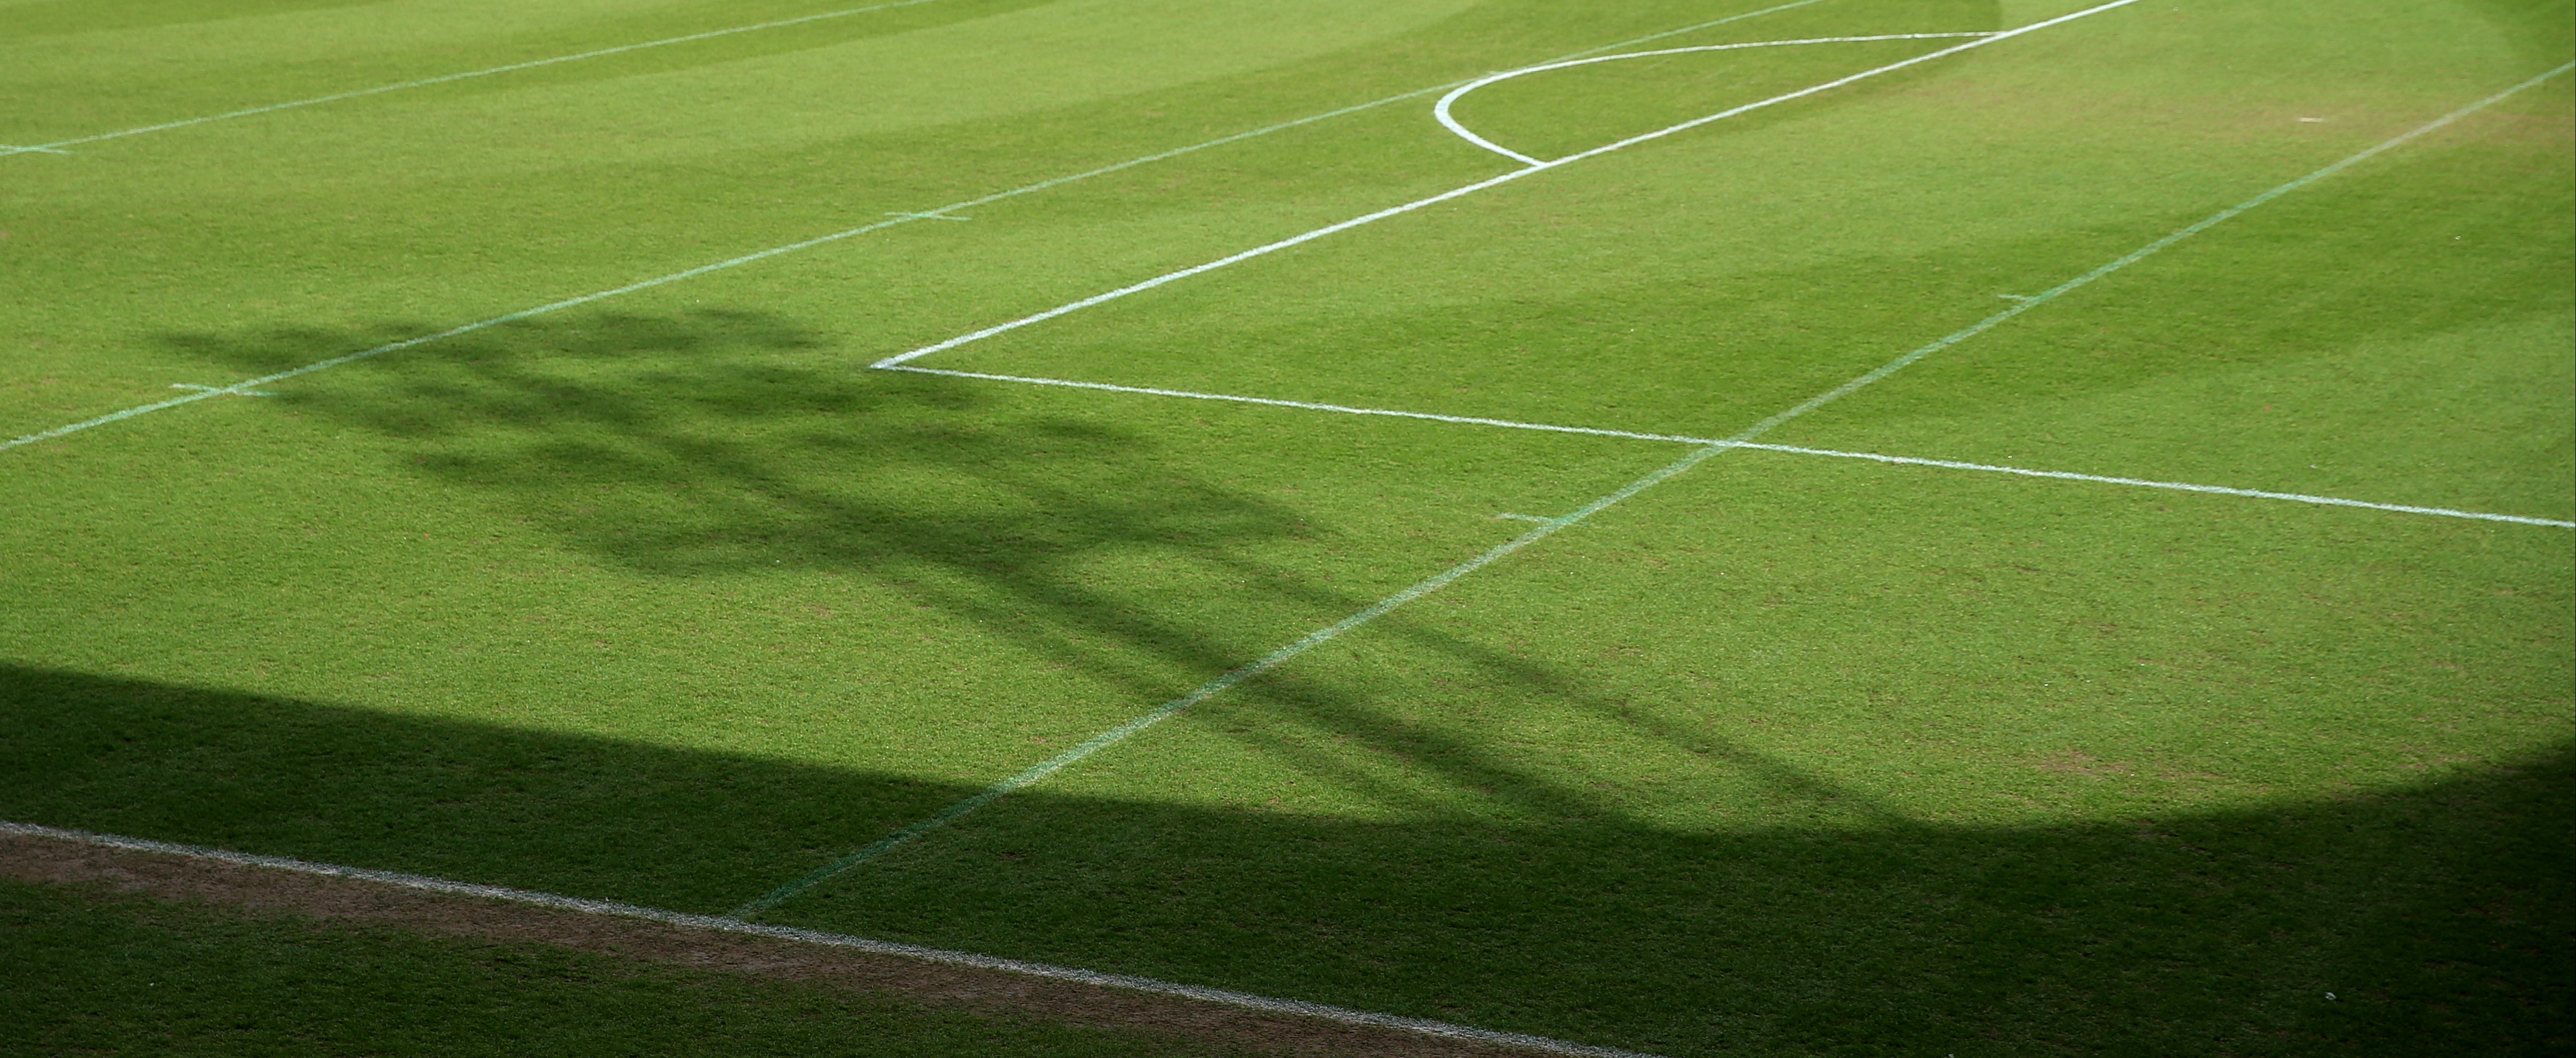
[(1685, 527)]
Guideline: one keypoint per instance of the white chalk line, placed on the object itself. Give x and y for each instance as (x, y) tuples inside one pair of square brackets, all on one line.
[(1327, 634), (737, 926), (1548, 527), (1341, 408), (2259, 494), (1043, 185), (51, 148), (1709, 449), (1440, 110), (1508, 424), (1461, 192)]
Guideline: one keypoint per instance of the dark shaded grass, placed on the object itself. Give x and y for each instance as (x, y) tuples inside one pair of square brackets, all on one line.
[(2432, 914), (2438, 913), (711, 443), (81, 973)]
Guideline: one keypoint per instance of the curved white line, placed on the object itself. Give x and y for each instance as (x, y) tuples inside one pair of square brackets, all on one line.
[(1441, 109)]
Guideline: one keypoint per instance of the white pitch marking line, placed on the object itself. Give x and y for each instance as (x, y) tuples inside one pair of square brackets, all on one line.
[(1321, 636), (721, 924), (1043, 185), (1440, 110), (51, 148), (444, 79), (2176, 486), (1468, 420), (1539, 167), (1343, 409), (212, 390), (1508, 516), (1708, 450), (925, 216)]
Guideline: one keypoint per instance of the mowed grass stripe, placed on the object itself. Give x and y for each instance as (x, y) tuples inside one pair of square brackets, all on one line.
[(723, 924), (1470, 189), (1588, 431), (1797, 757), (899, 218), (56, 147), (1551, 527), (1448, 120)]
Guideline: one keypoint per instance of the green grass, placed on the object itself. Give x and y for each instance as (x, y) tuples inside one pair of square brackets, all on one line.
[(90, 973), (667, 599)]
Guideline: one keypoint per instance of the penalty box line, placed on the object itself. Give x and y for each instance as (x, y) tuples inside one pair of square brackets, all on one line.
[(721, 924), (1481, 185), (1470, 420), (900, 219), (1551, 527), (1438, 581)]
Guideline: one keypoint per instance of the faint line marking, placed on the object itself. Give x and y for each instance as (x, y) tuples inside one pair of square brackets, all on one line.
[(1029, 189), (448, 78)]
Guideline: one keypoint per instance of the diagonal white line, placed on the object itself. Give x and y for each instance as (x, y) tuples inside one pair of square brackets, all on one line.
[(2176, 486), (720, 924), (2142, 253), (50, 148), (1481, 185), (1341, 408), (448, 78), (1043, 185), (1508, 424), (1709, 450)]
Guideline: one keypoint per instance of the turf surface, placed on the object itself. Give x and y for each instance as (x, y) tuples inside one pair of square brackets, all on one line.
[(93, 975), (665, 598)]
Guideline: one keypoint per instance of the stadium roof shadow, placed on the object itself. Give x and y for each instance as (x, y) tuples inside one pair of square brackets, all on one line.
[(2435, 913), (707, 443)]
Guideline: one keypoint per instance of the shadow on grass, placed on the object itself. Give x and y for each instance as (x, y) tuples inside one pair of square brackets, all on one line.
[(2435, 914), (706, 445), (709, 444)]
